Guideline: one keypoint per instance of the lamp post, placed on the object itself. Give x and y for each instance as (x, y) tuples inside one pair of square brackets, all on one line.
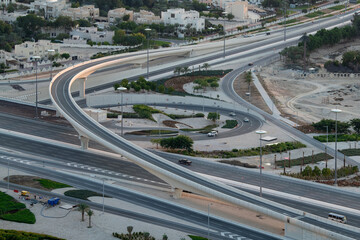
[(103, 193), (224, 15), (50, 51), (147, 57), (336, 111), (327, 135), (122, 89), (208, 230), (260, 132), (8, 176), (36, 58)]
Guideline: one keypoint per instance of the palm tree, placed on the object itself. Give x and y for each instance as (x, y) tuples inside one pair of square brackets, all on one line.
[(206, 66), (177, 70), (146, 235), (82, 208), (305, 38), (129, 229), (186, 69), (90, 213), (248, 79)]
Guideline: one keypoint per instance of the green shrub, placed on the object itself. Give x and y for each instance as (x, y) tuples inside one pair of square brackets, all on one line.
[(230, 124), (307, 160), (21, 235), (197, 237), (351, 152), (8, 203), (340, 138), (145, 111)]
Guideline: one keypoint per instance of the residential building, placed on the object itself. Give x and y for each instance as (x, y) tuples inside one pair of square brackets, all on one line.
[(40, 48), (84, 12), (6, 2), (146, 17), (237, 8), (51, 8), (11, 17), (119, 13), (92, 33), (183, 18)]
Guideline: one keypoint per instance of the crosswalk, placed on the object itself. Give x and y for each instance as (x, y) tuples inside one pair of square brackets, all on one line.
[(233, 236), (16, 159)]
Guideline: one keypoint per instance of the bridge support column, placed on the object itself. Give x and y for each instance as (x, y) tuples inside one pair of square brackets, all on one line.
[(84, 142), (177, 193), (82, 87)]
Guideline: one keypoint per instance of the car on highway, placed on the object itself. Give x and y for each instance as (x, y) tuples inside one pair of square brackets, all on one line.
[(250, 64), (212, 134), (246, 119), (232, 114), (185, 161)]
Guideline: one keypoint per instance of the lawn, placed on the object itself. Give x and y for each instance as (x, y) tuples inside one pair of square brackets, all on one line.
[(206, 129), (351, 152), (307, 160), (314, 14), (197, 238), (12, 210), (336, 8), (49, 184)]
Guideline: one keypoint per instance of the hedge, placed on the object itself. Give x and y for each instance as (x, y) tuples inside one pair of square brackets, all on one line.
[(209, 73), (49, 184), (21, 235), (340, 137), (230, 124), (82, 194), (351, 152)]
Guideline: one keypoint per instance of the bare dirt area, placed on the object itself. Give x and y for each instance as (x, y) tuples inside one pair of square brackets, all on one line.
[(28, 181), (310, 98), (242, 88), (29, 112)]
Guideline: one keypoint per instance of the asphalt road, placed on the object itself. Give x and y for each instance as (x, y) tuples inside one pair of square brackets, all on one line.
[(175, 210)]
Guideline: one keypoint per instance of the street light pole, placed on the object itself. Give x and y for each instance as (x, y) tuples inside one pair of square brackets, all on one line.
[(51, 51), (147, 57), (224, 14), (327, 135), (336, 111), (103, 195), (8, 176), (208, 231), (260, 132), (122, 89), (36, 58)]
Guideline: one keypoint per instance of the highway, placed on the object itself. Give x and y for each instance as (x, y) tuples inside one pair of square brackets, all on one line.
[(195, 217), (59, 91)]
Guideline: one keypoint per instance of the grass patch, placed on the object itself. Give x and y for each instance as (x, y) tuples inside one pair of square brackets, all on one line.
[(22, 216), (230, 124), (289, 22), (307, 160), (314, 14), (49, 184), (238, 163), (12, 210), (206, 129), (351, 152), (340, 137), (338, 7), (21, 235), (82, 194), (152, 132), (326, 174)]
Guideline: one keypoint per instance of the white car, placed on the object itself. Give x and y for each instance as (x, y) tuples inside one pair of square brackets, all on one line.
[(212, 134), (246, 119), (232, 114)]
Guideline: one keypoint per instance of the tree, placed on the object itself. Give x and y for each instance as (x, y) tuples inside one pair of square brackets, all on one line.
[(316, 171), (179, 142), (130, 229), (205, 66), (307, 171), (305, 39), (326, 172), (177, 70), (214, 85), (185, 69), (83, 23), (161, 89), (170, 90), (355, 123), (156, 141), (82, 208), (116, 86), (65, 55), (248, 79), (230, 16), (124, 83), (126, 17), (213, 116), (90, 213), (30, 24)]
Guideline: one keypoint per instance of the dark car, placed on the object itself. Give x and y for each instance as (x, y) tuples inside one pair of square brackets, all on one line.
[(185, 161)]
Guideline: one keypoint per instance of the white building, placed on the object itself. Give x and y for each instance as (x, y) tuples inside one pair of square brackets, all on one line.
[(237, 8), (146, 17), (51, 8), (84, 12), (183, 18), (29, 49), (11, 17), (91, 33), (6, 2), (119, 13)]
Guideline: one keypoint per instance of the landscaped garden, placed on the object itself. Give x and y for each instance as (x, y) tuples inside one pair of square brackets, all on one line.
[(12, 210), (21, 235)]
